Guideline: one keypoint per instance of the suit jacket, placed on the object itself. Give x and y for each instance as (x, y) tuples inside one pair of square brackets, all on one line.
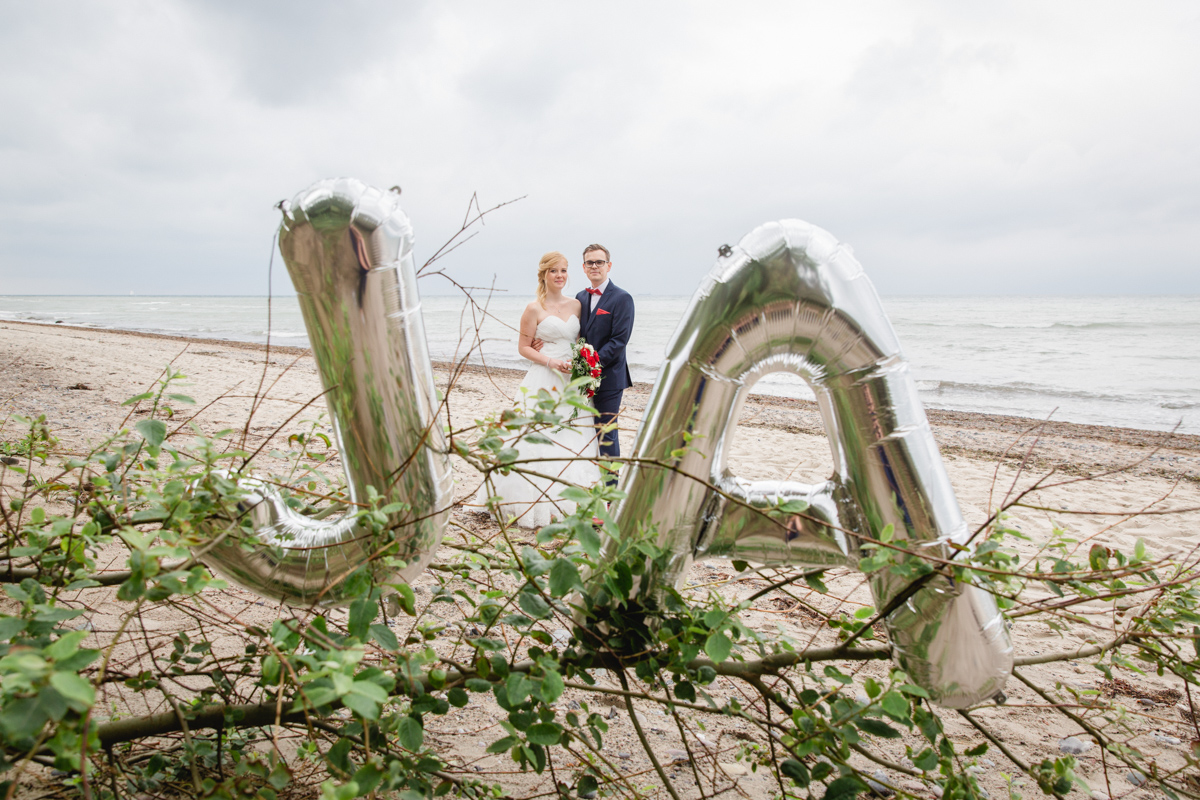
[(609, 334)]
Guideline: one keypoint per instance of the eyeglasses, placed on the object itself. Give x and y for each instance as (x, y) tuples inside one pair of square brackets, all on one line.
[(594, 263)]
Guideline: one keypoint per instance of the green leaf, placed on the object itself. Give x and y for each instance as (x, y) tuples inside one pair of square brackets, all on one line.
[(518, 686), (138, 398), (52, 704), (281, 775), (384, 636), (57, 614), (367, 777), (878, 728), (152, 430), (504, 745), (896, 705), (407, 598), (544, 733), (926, 760), (814, 582), (362, 612), (621, 579), (364, 706), (370, 690), (977, 750), (575, 495), (534, 564), (65, 646), (718, 646), (316, 696), (533, 605), (457, 697), (77, 691), (550, 532), (411, 733), (796, 771), (427, 703), (10, 627), (589, 540), (552, 686), (846, 787), (833, 673), (564, 576)]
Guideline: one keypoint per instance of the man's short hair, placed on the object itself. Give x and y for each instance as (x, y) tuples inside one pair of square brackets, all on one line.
[(591, 247)]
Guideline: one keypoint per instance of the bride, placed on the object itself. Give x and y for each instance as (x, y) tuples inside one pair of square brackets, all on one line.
[(534, 499)]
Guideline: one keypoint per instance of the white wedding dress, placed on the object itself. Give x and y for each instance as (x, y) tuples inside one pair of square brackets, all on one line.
[(534, 499)]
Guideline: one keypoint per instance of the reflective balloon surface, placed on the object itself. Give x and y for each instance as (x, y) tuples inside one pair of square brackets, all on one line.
[(348, 249), (790, 298)]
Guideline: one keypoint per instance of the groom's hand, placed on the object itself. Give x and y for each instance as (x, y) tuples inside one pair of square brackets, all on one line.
[(536, 344)]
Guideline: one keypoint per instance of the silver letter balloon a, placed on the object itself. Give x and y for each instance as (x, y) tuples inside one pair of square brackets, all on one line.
[(790, 298), (348, 249)]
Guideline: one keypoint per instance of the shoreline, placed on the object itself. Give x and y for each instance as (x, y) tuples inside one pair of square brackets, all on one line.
[(1001, 423), (1031, 445)]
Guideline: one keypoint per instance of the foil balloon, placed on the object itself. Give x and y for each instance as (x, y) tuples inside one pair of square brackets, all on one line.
[(790, 298), (348, 249)]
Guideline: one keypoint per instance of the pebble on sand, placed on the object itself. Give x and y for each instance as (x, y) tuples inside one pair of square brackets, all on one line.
[(1072, 746), (880, 784)]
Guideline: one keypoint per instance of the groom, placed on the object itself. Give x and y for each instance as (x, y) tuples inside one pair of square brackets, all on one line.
[(606, 325)]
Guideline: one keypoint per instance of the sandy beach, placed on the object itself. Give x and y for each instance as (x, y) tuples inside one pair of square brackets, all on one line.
[(79, 377)]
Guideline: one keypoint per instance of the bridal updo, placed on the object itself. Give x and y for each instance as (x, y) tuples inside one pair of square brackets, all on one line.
[(548, 261)]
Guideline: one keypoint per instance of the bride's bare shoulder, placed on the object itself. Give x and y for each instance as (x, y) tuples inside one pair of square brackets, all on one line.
[(533, 315)]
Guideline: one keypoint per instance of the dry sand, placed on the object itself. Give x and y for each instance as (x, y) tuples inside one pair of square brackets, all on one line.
[(79, 377)]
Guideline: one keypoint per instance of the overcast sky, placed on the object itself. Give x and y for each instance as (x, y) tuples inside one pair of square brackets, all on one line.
[(960, 148)]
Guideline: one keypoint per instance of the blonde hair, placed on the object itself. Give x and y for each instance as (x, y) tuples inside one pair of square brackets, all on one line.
[(548, 261)]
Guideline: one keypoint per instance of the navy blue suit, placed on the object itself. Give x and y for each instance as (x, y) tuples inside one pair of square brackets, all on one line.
[(608, 329)]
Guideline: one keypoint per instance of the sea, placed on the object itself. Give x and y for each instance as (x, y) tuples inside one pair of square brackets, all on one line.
[(1129, 362)]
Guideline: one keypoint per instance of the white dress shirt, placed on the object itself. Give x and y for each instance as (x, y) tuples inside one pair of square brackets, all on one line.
[(595, 298)]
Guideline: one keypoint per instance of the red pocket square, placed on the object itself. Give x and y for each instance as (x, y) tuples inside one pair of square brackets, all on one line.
[(601, 311)]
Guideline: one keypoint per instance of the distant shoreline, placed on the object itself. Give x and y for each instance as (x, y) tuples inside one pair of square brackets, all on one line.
[(771, 405)]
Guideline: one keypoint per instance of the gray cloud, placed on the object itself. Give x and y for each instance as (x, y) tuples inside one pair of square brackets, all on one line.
[(957, 149)]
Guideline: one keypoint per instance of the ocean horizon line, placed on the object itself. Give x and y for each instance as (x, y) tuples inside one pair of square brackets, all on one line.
[(1089, 295)]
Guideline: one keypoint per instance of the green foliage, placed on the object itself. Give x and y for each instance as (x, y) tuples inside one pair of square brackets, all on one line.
[(365, 687)]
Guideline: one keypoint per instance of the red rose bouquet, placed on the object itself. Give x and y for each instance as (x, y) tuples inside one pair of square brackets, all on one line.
[(585, 363)]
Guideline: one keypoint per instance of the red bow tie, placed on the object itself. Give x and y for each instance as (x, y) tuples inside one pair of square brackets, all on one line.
[(596, 292)]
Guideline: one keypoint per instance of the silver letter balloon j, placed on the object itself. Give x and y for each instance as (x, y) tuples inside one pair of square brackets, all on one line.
[(348, 249), (790, 298)]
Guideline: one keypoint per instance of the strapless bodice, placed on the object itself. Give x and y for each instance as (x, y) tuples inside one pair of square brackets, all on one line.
[(558, 335)]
